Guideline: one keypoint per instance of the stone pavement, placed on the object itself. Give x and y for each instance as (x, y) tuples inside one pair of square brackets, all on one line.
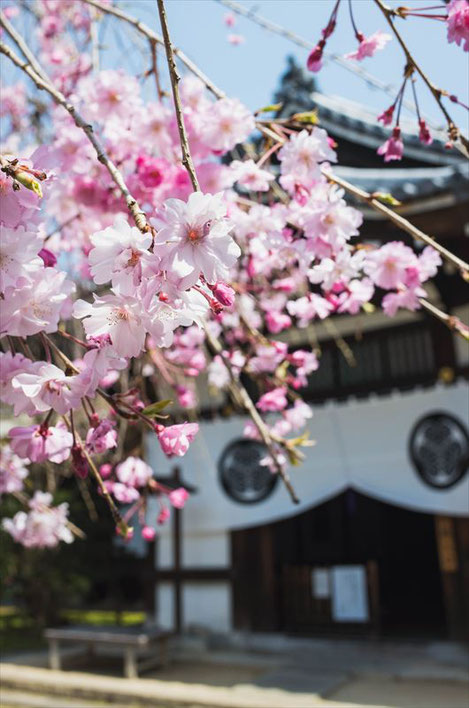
[(255, 672)]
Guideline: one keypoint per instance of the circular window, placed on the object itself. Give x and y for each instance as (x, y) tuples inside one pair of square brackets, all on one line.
[(439, 448), (242, 475)]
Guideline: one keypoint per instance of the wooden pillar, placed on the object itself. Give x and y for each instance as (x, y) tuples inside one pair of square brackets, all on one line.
[(176, 514), (448, 558)]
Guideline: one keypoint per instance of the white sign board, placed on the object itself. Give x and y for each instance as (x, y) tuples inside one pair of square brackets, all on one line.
[(349, 594), (320, 582)]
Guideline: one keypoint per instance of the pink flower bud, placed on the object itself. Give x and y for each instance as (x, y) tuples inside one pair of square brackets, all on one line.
[(178, 497), (105, 470), (48, 257), (224, 294), (148, 533), (163, 516)]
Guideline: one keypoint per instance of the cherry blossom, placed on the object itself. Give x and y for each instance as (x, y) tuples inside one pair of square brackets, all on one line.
[(39, 443), (134, 472), (118, 317), (119, 255), (43, 526), (194, 238), (393, 148), (12, 471), (369, 45), (458, 23), (50, 387), (175, 439), (274, 400)]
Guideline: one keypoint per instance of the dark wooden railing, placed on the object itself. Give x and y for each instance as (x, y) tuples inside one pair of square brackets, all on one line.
[(399, 357)]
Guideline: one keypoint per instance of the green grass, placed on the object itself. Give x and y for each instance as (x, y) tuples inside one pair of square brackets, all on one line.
[(19, 632)]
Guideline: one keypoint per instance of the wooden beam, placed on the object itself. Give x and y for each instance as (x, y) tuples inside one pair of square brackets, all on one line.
[(193, 574)]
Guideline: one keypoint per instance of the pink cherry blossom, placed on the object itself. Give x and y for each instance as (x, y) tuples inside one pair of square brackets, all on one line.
[(227, 123), (388, 264), (134, 472), (39, 443), (10, 365), (425, 136), (125, 494), (458, 23), (309, 307), (236, 39), (369, 45), (148, 533), (43, 526), (358, 292), (18, 254), (178, 497), (117, 316), (163, 515), (301, 155), (120, 254), (194, 238), (314, 61), (393, 148), (386, 117), (175, 439), (50, 388), (12, 471), (298, 415), (277, 321), (274, 400), (37, 305), (229, 19), (102, 437), (249, 175)]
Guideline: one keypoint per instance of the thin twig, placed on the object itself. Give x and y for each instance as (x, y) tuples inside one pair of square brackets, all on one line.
[(402, 223), (154, 69), (43, 84), (175, 79), (154, 37), (451, 321), (250, 408), (453, 130), (251, 15), (25, 50), (214, 343)]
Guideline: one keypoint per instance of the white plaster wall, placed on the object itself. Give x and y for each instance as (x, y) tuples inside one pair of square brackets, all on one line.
[(204, 604), (207, 605), (361, 444), (164, 601)]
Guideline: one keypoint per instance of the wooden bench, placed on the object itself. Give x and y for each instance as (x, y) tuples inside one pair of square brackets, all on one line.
[(132, 642)]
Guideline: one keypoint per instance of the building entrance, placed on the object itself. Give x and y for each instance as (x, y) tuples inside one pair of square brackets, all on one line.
[(353, 565)]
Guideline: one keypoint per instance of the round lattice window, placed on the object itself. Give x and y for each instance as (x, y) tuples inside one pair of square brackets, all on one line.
[(242, 475), (439, 447)]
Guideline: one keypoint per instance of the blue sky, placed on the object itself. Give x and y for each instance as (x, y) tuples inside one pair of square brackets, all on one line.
[(251, 71)]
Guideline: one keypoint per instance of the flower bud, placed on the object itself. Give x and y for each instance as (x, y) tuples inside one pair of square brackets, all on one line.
[(224, 294), (48, 257), (79, 463), (148, 533)]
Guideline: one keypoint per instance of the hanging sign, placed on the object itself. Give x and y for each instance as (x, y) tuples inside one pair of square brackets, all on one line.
[(349, 594)]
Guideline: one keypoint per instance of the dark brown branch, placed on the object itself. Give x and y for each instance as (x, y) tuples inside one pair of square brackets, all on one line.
[(43, 84)]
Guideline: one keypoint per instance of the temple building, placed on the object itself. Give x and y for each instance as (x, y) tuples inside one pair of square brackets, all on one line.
[(379, 543)]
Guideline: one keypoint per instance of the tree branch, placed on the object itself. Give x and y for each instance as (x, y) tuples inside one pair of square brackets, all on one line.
[(451, 321), (250, 408), (175, 79), (453, 130), (154, 37), (42, 84), (402, 223)]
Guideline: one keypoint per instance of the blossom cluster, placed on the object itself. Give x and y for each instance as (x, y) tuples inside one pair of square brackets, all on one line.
[(100, 318)]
